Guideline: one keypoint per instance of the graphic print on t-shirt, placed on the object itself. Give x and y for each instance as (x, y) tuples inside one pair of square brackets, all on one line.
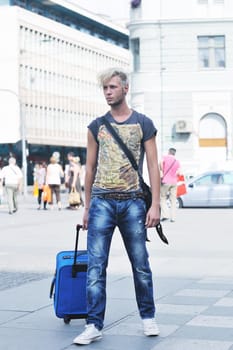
[(115, 171)]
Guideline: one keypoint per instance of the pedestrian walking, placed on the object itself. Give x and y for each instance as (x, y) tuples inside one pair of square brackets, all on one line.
[(70, 157), (170, 168), (11, 176), (113, 198), (72, 178), (53, 179), (40, 179)]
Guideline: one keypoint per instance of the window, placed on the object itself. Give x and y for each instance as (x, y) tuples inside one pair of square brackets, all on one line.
[(135, 49), (204, 181), (228, 178), (211, 51), (219, 2)]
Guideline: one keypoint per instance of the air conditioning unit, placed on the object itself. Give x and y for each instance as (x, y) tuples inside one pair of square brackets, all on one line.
[(183, 126)]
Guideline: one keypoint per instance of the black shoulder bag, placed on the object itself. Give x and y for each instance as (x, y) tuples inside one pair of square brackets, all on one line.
[(145, 188)]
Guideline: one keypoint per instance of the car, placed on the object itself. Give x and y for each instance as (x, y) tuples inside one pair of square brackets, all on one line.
[(210, 189)]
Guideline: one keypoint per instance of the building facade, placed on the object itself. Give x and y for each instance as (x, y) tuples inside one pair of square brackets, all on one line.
[(50, 58), (182, 68)]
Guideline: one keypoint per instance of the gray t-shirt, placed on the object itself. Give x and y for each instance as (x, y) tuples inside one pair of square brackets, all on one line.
[(114, 170)]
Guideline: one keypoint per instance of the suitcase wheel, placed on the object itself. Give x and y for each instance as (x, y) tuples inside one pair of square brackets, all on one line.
[(67, 320)]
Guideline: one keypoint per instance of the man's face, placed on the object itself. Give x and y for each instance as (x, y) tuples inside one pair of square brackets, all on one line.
[(114, 92)]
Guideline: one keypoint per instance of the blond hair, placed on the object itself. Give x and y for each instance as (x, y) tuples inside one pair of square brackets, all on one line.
[(109, 73)]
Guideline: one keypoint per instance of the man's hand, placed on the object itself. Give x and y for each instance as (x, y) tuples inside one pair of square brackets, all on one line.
[(85, 219), (152, 216)]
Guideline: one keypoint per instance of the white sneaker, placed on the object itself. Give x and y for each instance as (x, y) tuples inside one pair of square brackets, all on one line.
[(150, 327), (90, 334)]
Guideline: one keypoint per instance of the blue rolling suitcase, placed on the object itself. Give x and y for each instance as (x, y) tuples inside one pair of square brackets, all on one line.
[(68, 288)]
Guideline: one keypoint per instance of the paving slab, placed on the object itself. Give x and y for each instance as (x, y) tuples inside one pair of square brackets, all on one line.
[(28, 297), (215, 293), (228, 301), (15, 339), (219, 311), (180, 309), (191, 344), (212, 321), (187, 300), (6, 316), (205, 333)]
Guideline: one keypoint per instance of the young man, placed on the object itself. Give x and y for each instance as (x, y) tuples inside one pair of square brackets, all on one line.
[(113, 198)]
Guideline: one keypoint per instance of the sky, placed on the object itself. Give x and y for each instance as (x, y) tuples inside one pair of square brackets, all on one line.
[(116, 10)]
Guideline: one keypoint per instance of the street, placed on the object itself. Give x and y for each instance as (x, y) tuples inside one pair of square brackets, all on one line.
[(192, 282), (200, 242)]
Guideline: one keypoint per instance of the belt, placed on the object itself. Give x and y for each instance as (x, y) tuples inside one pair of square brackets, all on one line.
[(121, 196)]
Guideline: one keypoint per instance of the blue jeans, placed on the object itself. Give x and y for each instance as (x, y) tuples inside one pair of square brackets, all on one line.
[(129, 215)]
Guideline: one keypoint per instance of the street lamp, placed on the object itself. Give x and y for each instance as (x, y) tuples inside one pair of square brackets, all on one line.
[(23, 139), (161, 79)]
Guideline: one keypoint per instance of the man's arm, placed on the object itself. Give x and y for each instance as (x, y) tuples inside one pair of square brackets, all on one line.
[(91, 161), (153, 214), (178, 171)]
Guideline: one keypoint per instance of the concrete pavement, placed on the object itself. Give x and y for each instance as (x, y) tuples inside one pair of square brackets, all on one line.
[(191, 313), (193, 285)]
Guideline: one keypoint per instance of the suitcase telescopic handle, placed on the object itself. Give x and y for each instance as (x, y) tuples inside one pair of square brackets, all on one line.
[(78, 227)]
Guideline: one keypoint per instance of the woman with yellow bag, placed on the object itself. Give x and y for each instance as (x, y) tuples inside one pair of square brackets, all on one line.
[(72, 180)]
